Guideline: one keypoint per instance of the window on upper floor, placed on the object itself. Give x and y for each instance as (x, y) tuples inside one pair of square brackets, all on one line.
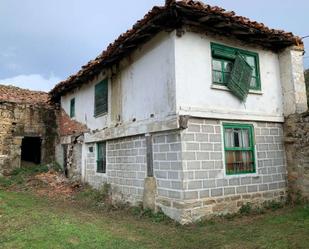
[(239, 149), (101, 157), (235, 68), (101, 98), (72, 108)]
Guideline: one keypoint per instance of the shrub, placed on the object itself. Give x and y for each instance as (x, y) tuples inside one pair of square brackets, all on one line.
[(94, 196), (156, 217), (273, 205), (5, 182), (246, 208)]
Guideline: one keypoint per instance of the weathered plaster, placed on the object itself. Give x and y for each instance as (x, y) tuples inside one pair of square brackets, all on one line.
[(293, 81)]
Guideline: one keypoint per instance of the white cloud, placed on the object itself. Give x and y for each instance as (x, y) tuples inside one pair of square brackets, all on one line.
[(32, 81)]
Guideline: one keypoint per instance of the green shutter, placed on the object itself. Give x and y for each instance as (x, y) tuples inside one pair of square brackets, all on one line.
[(224, 52), (240, 78), (101, 98), (72, 108), (101, 157)]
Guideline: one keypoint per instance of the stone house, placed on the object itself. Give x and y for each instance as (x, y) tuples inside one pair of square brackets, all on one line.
[(185, 111), (27, 128)]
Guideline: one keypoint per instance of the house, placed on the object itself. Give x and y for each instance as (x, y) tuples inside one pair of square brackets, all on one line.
[(185, 112), (28, 128)]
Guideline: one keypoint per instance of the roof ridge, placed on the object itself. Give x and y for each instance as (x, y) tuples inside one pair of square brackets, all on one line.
[(171, 14)]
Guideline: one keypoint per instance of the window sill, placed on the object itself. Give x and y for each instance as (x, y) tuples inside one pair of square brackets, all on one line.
[(224, 88), (101, 173), (100, 115), (253, 175)]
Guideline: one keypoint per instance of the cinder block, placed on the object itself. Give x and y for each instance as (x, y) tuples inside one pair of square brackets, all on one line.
[(217, 192), (195, 185), (202, 155), (209, 183)]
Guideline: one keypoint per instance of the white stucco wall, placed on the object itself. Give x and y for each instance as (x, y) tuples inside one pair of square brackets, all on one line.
[(147, 83), (196, 97), (84, 106)]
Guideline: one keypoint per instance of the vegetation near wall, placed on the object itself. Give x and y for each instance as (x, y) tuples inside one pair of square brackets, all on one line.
[(307, 83)]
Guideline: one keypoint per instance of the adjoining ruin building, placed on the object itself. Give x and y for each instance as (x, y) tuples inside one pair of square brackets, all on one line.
[(27, 128)]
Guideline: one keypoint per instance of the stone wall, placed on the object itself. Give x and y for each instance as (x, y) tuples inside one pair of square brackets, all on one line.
[(297, 147), (19, 120)]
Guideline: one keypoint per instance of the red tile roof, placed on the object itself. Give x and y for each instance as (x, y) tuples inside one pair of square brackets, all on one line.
[(174, 15), (19, 95)]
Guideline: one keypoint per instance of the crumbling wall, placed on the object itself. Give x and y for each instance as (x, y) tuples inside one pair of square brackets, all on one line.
[(296, 131), (19, 120), (68, 147)]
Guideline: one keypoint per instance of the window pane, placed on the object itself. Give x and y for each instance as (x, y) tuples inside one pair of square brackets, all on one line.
[(237, 138), (245, 138), (250, 60), (228, 66), (226, 77), (239, 162), (229, 141), (216, 65), (217, 77), (253, 82)]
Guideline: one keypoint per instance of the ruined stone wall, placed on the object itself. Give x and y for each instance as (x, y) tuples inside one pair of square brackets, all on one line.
[(20, 120), (296, 130)]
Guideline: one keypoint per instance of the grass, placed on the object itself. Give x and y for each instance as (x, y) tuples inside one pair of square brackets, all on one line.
[(88, 220), (27, 221)]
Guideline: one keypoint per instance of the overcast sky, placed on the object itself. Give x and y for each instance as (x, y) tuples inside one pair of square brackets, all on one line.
[(44, 41)]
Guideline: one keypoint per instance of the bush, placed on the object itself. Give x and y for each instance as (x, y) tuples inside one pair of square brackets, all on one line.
[(94, 196), (150, 214), (5, 182), (30, 170), (273, 205), (246, 208), (56, 167)]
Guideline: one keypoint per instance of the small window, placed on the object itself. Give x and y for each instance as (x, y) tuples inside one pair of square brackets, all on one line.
[(239, 149), (223, 60), (72, 108), (101, 157), (101, 98)]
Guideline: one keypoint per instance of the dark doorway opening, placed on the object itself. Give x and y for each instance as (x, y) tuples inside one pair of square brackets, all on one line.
[(31, 149)]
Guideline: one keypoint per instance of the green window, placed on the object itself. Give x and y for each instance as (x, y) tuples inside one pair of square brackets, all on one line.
[(101, 157), (72, 108), (224, 59), (239, 149), (101, 98)]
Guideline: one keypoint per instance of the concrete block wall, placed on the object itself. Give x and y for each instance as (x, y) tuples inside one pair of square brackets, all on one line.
[(208, 190), (189, 168), (125, 171), (168, 171)]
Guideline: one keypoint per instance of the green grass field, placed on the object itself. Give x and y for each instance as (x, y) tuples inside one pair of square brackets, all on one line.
[(30, 222)]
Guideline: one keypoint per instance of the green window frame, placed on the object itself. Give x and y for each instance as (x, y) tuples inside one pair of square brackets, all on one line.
[(101, 157), (239, 149), (101, 98), (223, 58), (72, 108)]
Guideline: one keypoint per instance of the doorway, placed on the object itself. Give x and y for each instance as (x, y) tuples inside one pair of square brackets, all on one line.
[(31, 150)]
